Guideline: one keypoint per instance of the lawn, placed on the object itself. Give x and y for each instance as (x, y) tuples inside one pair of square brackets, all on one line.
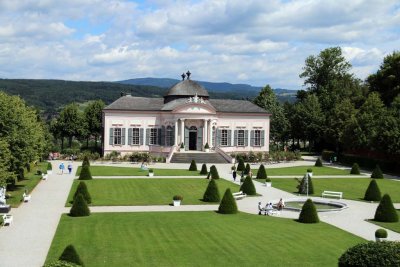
[(29, 183), (131, 171), (391, 226), (301, 170), (352, 188), (199, 239), (148, 191)]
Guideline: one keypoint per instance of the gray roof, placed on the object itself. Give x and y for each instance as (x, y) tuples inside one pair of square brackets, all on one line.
[(178, 102), (187, 88), (237, 106), (136, 103)]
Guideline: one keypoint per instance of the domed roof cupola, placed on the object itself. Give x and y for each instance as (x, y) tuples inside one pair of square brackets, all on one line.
[(185, 89)]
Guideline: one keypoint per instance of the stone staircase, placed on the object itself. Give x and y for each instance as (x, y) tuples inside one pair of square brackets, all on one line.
[(200, 157)]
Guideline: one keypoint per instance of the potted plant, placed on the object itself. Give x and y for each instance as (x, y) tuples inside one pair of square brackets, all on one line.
[(380, 235), (151, 173), (49, 168), (177, 200), (182, 146), (268, 182), (206, 148), (309, 172)]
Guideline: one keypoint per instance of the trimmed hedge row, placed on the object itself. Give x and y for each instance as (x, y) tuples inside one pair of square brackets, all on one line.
[(368, 163)]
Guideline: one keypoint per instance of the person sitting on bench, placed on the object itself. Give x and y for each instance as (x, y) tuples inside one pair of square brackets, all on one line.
[(269, 208), (260, 208), (280, 204)]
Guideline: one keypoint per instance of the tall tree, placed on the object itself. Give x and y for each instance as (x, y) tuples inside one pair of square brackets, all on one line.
[(93, 118), (70, 122)]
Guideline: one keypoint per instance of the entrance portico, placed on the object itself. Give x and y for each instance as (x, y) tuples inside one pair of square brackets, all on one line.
[(193, 133)]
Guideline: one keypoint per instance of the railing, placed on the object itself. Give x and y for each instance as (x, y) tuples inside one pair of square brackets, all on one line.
[(225, 155), (171, 153)]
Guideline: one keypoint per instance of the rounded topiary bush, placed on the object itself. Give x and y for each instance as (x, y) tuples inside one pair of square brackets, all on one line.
[(247, 169), (193, 166), (70, 255), (381, 233), (248, 187), (355, 169), (214, 172), (305, 183), (372, 254), (308, 213), (204, 169), (262, 173), (228, 203), (318, 163), (85, 173), (240, 166), (212, 192), (385, 212), (377, 173), (79, 207), (85, 161), (82, 189), (60, 263), (373, 193)]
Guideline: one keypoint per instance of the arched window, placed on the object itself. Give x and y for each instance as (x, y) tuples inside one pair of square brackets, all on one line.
[(169, 136)]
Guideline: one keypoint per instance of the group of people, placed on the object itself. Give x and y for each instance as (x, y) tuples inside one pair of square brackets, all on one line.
[(269, 208), (62, 168)]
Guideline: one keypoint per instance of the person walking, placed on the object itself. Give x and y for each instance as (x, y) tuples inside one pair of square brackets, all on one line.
[(70, 168), (234, 175), (62, 167)]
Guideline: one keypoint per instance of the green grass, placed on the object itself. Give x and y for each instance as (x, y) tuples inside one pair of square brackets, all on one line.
[(29, 183), (151, 191), (198, 239), (130, 171), (301, 170), (352, 188), (391, 226)]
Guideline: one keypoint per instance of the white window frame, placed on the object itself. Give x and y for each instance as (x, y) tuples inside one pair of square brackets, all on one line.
[(257, 137), (117, 136), (169, 140), (240, 138), (135, 136), (153, 138), (224, 137)]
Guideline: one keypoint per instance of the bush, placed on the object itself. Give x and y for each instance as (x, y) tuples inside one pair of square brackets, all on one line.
[(228, 203), (212, 192), (70, 255), (372, 254), (206, 146), (373, 193), (85, 161), (381, 233), (28, 167), (318, 163), (214, 172), (302, 186), (177, 197), (390, 166), (59, 263), (355, 169), (308, 213), (193, 166), (385, 212), (377, 173), (79, 207), (82, 189), (262, 173), (327, 155), (204, 169), (49, 166), (240, 166), (248, 187), (309, 170), (85, 173), (268, 180), (247, 169)]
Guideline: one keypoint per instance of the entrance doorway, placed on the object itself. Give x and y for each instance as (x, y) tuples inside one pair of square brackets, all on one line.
[(193, 138)]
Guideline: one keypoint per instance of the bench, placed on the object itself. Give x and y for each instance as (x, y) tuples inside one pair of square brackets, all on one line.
[(7, 219), (332, 194), (239, 195), (26, 197), (45, 176)]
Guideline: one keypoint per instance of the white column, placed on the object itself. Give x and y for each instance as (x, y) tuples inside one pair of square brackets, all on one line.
[(176, 133), (205, 135), (182, 130), (210, 135)]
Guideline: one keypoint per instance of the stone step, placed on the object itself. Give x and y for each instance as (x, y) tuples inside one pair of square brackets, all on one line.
[(198, 157)]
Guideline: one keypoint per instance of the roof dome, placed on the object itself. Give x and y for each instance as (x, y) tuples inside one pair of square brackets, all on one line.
[(187, 88)]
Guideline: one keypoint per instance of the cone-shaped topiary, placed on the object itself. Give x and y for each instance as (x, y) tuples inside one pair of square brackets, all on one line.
[(318, 163), (355, 169), (308, 213), (386, 212), (247, 169), (85, 161), (373, 193), (248, 187), (82, 189), (85, 173), (303, 185), (261, 174), (212, 192), (377, 173), (214, 172), (59, 263), (204, 169), (193, 166), (228, 203), (70, 255), (79, 207), (240, 166)]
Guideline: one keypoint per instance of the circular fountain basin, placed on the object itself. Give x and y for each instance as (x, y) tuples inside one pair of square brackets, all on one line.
[(322, 205)]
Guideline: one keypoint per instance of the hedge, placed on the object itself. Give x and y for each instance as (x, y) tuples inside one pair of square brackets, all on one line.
[(318, 163), (377, 173), (82, 189), (228, 203), (212, 193), (373, 193), (385, 212), (388, 166), (248, 187), (79, 207), (86, 161), (70, 255), (85, 173), (214, 172), (308, 213), (247, 169), (355, 169), (327, 155), (262, 173), (60, 263), (302, 186), (193, 166), (240, 166), (204, 169)]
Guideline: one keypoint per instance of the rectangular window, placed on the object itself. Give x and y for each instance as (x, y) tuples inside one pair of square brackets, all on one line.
[(257, 138), (153, 136), (224, 137), (169, 136), (117, 136), (240, 138), (135, 136)]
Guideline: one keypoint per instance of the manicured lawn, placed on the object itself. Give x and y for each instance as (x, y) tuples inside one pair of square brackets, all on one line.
[(127, 171), (352, 188), (29, 183), (301, 170), (391, 226), (198, 239), (148, 191)]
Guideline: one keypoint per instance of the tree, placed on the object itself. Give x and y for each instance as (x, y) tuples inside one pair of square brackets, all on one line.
[(93, 118), (228, 203), (204, 169), (377, 173), (261, 174), (193, 166), (70, 255), (373, 193), (79, 207), (385, 212), (308, 213), (248, 187), (306, 185), (214, 172), (355, 169), (7, 177), (82, 189), (212, 193), (71, 122), (318, 162)]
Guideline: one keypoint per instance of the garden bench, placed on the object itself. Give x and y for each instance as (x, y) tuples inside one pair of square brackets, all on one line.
[(26, 197), (45, 176), (7, 219), (239, 195), (332, 194), (272, 212)]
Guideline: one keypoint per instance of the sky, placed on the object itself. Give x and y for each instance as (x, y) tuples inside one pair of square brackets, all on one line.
[(254, 42)]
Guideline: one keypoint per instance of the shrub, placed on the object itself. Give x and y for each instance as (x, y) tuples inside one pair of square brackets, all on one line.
[(206, 146), (327, 155), (59, 263), (86, 161), (193, 166), (82, 189), (268, 180), (228, 203), (381, 233), (355, 169), (248, 187), (182, 145), (302, 186), (240, 166), (214, 172), (377, 173), (85, 173), (318, 163), (385, 212), (308, 213), (373, 193), (387, 165), (212, 192), (309, 170), (247, 169), (49, 167), (151, 171), (70, 255), (204, 169), (262, 173), (28, 167), (372, 254), (177, 197), (79, 207)]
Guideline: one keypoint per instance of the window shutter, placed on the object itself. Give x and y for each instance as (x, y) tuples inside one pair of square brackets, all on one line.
[(158, 136), (229, 137), (218, 137), (235, 138), (246, 137), (141, 136), (111, 136), (162, 138), (147, 136), (262, 137), (213, 138), (252, 138), (123, 136), (199, 139), (186, 138), (129, 136), (173, 136)]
